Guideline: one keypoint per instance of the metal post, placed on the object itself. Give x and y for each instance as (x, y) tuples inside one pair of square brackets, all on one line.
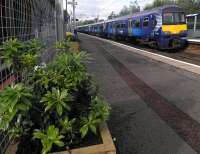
[(59, 19), (195, 23), (73, 3), (74, 16), (66, 5), (66, 18)]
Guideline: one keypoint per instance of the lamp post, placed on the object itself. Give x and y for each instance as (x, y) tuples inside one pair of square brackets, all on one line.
[(73, 3)]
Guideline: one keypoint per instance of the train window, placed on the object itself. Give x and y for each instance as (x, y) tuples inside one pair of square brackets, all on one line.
[(182, 16), (173, 18), (137, 23), (168, 18), (190, 22), (146, 22)]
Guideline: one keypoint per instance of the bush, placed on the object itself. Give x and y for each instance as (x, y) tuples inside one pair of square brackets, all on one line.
[(21, 55), (62, 106), (69, 36)]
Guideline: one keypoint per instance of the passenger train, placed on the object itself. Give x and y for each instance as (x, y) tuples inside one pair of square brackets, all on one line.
[(193, 22), (163, 27)]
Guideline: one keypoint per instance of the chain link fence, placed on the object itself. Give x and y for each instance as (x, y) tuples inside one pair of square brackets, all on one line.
[(25, 20)]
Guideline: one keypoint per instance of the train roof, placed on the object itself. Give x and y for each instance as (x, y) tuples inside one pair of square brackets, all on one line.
[(142, 13), (192, 15)]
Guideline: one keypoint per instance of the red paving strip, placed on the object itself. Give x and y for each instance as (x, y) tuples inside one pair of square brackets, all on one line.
[(7, 82), (186, 127)]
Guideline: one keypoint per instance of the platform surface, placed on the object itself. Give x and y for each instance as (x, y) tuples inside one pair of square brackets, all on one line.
[(194, 40), (155, 106)]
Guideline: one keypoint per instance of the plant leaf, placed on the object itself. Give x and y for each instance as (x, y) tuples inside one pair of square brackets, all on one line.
[(84, 131)]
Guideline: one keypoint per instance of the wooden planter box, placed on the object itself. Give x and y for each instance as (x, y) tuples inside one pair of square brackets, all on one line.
[(106, 148)]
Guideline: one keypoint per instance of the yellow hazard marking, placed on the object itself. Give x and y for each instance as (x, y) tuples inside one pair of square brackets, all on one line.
[(174, 29)]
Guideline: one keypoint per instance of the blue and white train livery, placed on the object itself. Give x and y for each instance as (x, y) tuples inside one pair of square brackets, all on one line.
[(164, 27)]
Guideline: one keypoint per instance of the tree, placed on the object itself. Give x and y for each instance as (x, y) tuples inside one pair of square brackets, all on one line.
[(125, 11), (133, 8), (158, 3), (112, 15), (190, 6)]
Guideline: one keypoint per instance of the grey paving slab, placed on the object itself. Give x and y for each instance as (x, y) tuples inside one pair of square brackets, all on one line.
[(180, 87), (137, 128)]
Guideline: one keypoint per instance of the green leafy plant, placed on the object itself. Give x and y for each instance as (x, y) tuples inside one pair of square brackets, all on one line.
[(48, 78), (67, 125), (62, 46), (89, 124), (19, 54), (72, 66), (63, 95), (32, 50), (15, 102), (99, 112), (100, 108), (10, 53), (58, 100), (29, 60), (48, 138), (34, 46)]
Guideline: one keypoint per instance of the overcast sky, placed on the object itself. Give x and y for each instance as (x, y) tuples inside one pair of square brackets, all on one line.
[(90, 9)]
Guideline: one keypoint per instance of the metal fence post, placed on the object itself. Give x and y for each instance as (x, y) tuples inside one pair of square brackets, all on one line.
[(59, 19)]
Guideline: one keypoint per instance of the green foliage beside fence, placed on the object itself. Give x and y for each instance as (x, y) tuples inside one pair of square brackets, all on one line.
[(59, 106)]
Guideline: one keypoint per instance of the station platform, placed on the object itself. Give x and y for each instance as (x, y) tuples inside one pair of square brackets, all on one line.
[(155, 105), (194, 40)]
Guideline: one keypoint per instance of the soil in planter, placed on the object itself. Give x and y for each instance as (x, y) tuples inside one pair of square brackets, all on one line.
[(29, 146), (90, 140)]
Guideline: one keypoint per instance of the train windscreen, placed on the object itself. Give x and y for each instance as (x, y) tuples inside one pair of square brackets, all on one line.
[(171, 18)]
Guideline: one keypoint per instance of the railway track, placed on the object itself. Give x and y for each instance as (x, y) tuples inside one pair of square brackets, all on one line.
[(190, 54)]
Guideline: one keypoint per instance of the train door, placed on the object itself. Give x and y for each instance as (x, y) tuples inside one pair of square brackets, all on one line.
[(114, 28), (130, 27), (137, 28), (146, 26), (104, 28)]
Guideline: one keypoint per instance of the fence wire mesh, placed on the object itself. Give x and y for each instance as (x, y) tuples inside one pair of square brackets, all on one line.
[(25, 20)]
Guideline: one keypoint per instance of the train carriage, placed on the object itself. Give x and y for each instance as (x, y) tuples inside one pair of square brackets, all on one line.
[(164, 27), (193, 22)]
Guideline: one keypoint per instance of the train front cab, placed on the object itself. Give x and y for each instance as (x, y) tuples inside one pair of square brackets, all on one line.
[(174, 29)]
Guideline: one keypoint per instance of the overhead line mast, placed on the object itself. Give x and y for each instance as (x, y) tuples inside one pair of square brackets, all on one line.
[(73, 3)]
